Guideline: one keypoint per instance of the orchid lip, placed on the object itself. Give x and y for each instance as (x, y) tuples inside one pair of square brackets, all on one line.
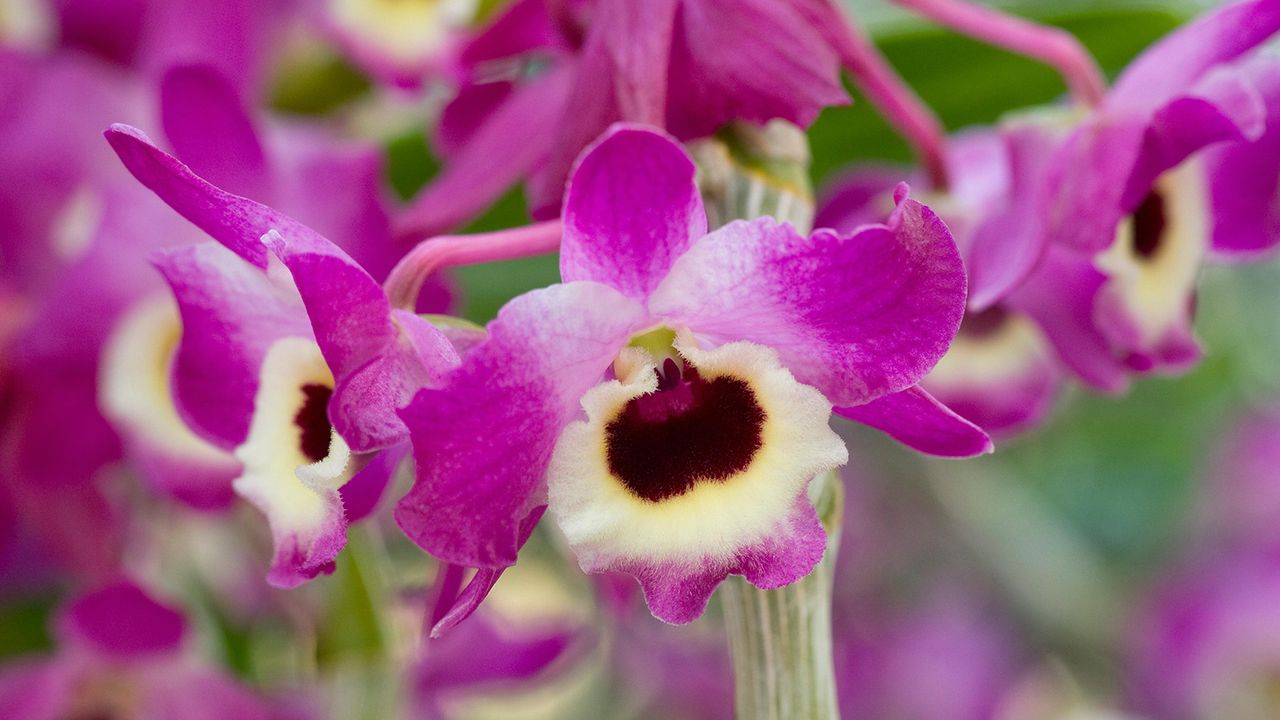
[(693, 471), (294, 461)]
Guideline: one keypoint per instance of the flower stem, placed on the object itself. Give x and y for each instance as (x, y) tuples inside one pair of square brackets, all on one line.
[(780, 640), (434, 254), (895, 100), (1051, 46)]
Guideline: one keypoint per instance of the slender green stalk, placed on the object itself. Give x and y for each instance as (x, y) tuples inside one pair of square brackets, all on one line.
[(780, 639)]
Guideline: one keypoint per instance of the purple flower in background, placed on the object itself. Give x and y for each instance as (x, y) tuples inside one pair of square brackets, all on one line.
[(1207, 640), (123, 654), (1000, 372), (707, 366), (1241, 490), (545, 79), (291, 357), (72, 260), (946, 659), (1128, 189)]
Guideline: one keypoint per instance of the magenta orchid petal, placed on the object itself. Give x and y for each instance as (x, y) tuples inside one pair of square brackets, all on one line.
[(468, 601), (1224, 107), (1244, 178), (210, 130), (715, 73), (35, 690), (637, 60), (298, 558), (620, 75), (858, 316), (860, 197), (54, 491), (234, 221), (1087, 179), (916, 419), (545, 349), (110, 28), (336, 186), (122, 621), (202, 484), (232, 314), (1008, 244), (362, 494), (465, 115), (488, 654), (1175, 99), (1174, 350), (510, 143), (236, 37), (375, 368), (1179, 60), (121, 654), (1000, 372), (51, 489), (677, 593), (522, 26), (631, 210), (1059, 296)]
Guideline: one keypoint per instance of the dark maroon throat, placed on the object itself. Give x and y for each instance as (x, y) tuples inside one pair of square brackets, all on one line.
[(691, 430), (984, 323), (1149, 225), (313, 422)]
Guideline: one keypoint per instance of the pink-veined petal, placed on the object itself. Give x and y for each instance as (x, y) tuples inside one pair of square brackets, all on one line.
[(632, 208), (916, 419), (483, 441), (857, 316)]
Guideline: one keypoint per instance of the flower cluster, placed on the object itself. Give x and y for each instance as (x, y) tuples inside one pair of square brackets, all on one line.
[(220, 335)]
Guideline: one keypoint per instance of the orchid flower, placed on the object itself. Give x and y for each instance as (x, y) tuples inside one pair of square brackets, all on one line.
[(1207, 644), (291, 359), (670, 400), (1127, 188)]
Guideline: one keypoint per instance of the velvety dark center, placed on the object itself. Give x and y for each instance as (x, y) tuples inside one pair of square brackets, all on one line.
[(690, 430), (984, 323), (1148, 225), (313, 420)]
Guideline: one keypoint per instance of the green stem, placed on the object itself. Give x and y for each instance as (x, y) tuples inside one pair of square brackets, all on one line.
[(780, 640)]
